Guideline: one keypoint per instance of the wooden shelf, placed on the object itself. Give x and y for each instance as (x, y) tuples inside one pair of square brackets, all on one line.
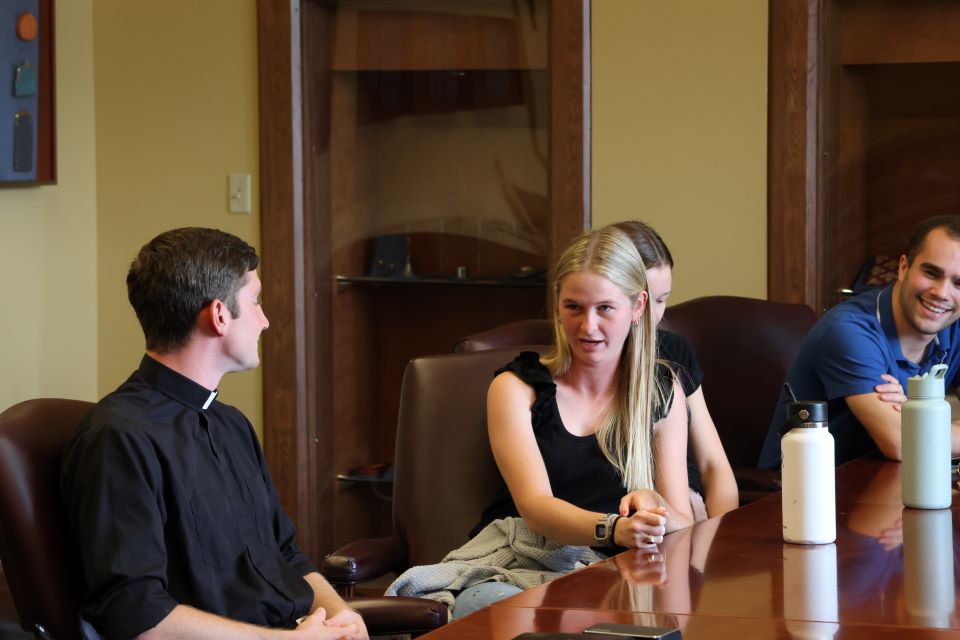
[(348, 479), (344, 282)]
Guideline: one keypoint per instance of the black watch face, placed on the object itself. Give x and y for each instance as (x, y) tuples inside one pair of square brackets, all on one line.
[(600, 532)]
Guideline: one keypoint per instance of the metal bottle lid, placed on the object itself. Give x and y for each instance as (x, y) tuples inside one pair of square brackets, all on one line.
[(929, 385)]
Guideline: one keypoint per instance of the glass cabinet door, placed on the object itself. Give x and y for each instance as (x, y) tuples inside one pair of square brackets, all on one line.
[(440, 175)]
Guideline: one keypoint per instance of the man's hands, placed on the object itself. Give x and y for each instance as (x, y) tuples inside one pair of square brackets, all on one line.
[(890, 391), (346, 624)]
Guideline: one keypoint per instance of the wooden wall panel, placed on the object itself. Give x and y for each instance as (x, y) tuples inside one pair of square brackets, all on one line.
[(792, 169), (898, 31)]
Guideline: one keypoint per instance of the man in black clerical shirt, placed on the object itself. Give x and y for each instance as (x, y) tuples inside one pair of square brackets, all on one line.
[(179, 528)]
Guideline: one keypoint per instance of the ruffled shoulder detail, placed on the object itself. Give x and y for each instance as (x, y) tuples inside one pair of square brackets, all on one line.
[(527, 367)]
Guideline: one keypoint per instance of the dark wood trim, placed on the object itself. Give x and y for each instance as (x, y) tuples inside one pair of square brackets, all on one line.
[(46, 104), (792, 152), (317, 229), (288, 372), (568, 178)]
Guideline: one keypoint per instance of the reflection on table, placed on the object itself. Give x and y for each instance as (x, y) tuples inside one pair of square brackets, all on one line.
[(890, 570)]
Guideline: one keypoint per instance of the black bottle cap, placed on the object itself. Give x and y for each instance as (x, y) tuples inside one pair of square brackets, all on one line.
[(804, 411), (807, 411)]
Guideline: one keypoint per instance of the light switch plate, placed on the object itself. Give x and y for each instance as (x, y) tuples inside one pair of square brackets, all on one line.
[(238, 193)]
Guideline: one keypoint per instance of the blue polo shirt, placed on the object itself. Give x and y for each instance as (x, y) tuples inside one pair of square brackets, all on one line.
[(844, 355)]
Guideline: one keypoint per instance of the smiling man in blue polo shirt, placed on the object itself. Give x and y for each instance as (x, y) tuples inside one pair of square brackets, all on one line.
[(859, 355)]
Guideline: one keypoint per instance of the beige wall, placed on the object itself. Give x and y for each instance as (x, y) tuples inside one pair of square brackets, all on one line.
[(679, 134), (176, 111), (48, 330), (679, 140)]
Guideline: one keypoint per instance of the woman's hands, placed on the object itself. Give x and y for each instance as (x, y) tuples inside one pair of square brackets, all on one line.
[(648, 523)]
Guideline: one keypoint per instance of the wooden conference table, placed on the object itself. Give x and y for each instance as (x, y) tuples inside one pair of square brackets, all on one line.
[(890, 574)]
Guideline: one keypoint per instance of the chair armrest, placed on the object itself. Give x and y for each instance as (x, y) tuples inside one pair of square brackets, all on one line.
[(749, 479), (754, 484), (364, 560), (386, 614)]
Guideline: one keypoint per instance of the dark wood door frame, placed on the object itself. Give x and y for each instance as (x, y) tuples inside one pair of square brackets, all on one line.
[(296, 349), (794, 167)]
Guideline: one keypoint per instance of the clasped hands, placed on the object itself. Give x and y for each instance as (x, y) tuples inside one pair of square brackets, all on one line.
[(346, 624), (644, 519)]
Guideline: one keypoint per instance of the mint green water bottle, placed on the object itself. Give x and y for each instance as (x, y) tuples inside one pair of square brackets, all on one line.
[(925, 442)]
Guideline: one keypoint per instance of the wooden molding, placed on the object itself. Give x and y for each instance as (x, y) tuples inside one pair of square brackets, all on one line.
[(792, 152)]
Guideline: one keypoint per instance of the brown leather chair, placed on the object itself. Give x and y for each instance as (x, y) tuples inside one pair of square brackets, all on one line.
[(38, 557), (745, 347), (510, 335), (39, 561), (444, 471)]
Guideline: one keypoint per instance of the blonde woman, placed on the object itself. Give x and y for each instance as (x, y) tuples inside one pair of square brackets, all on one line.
[(591, 440)]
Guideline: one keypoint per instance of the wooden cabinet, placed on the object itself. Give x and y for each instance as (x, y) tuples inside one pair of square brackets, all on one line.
[(864, 135), (435, 167)]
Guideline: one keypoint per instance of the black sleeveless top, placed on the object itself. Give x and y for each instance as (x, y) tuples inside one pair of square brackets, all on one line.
[(578, 471)]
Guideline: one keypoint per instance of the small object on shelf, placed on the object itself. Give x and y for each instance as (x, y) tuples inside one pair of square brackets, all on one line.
[(529, 273), (390, 256), (462, 273)]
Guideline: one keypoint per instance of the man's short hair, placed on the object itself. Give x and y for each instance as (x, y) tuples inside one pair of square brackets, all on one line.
[(178, 273), (949, 223)]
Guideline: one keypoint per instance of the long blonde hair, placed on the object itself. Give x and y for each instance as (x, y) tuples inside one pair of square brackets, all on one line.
[(625, 434)]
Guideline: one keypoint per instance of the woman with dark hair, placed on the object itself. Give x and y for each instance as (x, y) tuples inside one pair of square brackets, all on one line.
[(708, 469)]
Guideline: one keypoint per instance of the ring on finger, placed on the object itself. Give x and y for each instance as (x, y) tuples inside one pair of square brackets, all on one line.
[(651, 539)]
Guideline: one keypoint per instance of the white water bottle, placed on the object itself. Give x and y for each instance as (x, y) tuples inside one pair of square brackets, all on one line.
[(925, 442), (808, 475)]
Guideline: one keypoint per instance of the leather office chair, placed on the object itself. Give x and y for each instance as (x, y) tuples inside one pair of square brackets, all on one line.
[(41, 566), (510, 335), (745, 347), (444, 470), (39, 560)]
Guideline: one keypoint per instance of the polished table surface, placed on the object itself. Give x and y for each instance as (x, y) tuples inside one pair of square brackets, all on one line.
[(890, 573)]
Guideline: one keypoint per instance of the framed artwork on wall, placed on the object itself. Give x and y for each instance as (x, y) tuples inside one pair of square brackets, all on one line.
[(27, 132)]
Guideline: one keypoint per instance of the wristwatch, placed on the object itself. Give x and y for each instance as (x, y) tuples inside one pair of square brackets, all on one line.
[(603, 529)]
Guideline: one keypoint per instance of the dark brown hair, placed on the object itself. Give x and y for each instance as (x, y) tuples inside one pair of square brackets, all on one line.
[(653, 250), (178, 273), (949, 223)]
